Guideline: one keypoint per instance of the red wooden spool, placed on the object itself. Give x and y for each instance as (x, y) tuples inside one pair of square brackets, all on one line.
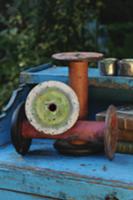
[(23, 132)]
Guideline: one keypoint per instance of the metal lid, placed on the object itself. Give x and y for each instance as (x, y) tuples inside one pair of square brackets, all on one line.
[(107, 66), (78, 56)]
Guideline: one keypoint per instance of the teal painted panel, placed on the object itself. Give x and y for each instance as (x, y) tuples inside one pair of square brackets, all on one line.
[(101, 87), (12, 195), (94, 76), (44, 172)]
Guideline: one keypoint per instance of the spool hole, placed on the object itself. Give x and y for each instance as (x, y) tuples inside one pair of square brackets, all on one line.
[(52, 107)]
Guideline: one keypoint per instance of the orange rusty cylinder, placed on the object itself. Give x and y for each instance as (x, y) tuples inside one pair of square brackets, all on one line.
[(82, 130), (22, 132), (88, 131), (78, 80), (78, 75)]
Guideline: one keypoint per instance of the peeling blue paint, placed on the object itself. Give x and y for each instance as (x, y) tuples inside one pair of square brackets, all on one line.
[(43, 173)]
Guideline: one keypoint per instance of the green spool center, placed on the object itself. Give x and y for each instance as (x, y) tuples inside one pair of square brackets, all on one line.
[(52, 108)]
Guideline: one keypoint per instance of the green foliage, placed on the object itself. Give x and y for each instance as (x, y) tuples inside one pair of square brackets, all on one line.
[(117, 17), (30, 31), (120, 40)]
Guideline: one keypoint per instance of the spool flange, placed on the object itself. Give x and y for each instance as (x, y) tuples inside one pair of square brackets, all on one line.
[(52, 107)]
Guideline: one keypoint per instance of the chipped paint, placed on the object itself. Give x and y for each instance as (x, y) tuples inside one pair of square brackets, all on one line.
[(42, 172)]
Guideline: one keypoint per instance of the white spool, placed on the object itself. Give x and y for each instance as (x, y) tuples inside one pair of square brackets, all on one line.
[(52, 107)]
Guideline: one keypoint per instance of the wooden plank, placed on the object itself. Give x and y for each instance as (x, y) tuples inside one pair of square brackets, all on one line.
[(94, 76), (33, 70), (111, 88), (44, 172), (12, 195)]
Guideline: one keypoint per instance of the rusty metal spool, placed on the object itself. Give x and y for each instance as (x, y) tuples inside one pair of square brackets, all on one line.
[(89, 131), (78, 63), (24, 130), (20, 143), (101, 136)]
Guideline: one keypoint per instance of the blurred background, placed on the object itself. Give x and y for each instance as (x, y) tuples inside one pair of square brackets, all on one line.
[(32, 30)]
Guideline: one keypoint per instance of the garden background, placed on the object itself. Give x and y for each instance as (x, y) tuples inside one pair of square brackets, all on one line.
[(32, 30)]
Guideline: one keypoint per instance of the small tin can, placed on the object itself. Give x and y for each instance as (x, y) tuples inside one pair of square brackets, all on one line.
[(107, 67), (125, 67)]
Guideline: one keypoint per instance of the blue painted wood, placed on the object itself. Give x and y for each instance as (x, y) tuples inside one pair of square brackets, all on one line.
[(44, 172), (24, 77), (18, 96), (62, 72), (112, 88), (12, 195), (38, 67)]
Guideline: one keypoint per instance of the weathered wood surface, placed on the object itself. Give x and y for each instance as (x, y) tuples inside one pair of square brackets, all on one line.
[(46, 173), (112, 88), (43, 173), (18, 96), (60, 72), (12, 195)]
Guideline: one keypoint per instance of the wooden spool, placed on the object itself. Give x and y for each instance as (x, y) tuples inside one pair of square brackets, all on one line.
[(52, 107), (78, 63), (94, 133)]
